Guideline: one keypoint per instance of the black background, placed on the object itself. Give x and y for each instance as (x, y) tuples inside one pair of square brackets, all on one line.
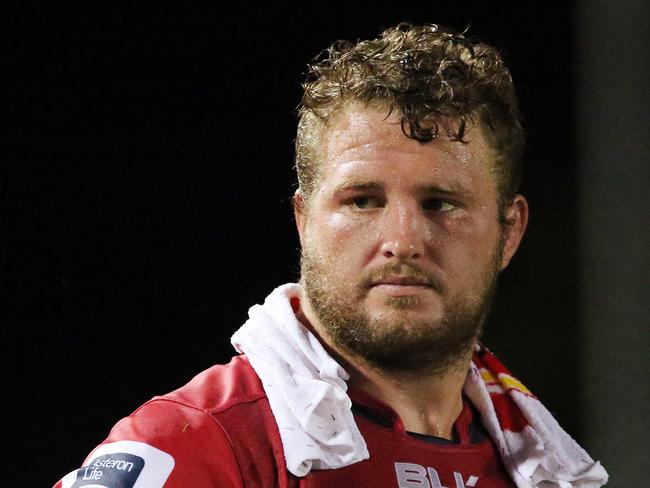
[(146, 199)]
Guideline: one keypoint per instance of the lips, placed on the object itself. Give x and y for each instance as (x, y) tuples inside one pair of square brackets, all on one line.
[(401, 281), (401, 286)]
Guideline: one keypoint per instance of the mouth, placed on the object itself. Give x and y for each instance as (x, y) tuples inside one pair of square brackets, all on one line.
[(401, 281), (401, 285)]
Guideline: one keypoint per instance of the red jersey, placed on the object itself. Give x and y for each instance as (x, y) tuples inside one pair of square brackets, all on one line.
[(219, 431)]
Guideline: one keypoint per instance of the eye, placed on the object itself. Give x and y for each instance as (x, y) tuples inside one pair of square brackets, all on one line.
[(363, 202), (438, 205)]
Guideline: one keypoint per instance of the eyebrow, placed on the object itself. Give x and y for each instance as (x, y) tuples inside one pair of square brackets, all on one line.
[(423, 189), (356, 185), (450, 189)]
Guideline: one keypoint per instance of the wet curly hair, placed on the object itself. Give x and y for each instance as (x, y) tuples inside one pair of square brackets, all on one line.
[(426, 73)]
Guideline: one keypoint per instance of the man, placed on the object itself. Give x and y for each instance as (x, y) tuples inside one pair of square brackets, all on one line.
[(369, 372)]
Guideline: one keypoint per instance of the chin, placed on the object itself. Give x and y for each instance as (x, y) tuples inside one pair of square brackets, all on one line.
[(423, 305), (405, 315)]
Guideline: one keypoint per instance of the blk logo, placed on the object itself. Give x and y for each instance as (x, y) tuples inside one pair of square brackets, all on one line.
[(411, 475)]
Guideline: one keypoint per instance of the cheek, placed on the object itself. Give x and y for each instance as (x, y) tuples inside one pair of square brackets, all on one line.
[(468, 241), (337, 226), (341, 240)]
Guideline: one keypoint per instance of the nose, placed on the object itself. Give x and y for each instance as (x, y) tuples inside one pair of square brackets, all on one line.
[(403, 233)]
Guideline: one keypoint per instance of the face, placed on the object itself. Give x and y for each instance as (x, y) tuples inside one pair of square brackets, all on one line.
[(401, 243)]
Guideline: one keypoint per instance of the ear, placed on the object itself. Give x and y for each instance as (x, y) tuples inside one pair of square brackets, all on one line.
[(299, 213), (516, 220)]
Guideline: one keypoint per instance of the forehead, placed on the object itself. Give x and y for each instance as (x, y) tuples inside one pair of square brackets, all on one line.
[(362, 140)]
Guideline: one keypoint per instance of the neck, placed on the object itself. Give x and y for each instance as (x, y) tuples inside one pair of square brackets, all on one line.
[(427, 402)]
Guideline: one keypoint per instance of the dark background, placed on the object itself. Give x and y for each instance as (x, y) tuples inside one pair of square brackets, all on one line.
[(146, 202)]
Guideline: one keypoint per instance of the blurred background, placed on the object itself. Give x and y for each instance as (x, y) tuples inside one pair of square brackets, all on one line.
[(146, 205)]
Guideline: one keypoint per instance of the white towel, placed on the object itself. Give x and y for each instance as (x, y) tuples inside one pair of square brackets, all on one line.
[(306, 388), (307, 393)]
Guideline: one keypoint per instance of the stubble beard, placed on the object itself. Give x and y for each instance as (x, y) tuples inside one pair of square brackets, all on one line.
[(394, 342)]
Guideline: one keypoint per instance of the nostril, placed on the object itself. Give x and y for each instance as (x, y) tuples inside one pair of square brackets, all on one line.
[(389, 254), (400, 249)]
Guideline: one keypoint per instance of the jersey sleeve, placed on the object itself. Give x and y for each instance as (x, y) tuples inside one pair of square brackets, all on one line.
[(162, 444)]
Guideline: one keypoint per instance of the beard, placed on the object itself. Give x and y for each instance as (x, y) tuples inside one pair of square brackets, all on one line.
[(393, 342)]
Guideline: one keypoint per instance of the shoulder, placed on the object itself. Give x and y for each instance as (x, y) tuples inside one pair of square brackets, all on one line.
[(200, 435), (220, 387), (210, 410)]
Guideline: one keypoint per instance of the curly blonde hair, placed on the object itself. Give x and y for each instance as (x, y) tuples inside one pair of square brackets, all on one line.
[(426, 73)]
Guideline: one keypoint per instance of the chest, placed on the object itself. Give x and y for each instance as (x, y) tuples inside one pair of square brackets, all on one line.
[(398, 460)]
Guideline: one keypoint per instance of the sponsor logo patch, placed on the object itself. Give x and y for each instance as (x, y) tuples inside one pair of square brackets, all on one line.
[(122, 464), (410, 475), (116, 470)]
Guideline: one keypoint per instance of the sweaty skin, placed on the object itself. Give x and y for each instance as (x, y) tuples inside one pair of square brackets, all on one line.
[(427, 213)]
